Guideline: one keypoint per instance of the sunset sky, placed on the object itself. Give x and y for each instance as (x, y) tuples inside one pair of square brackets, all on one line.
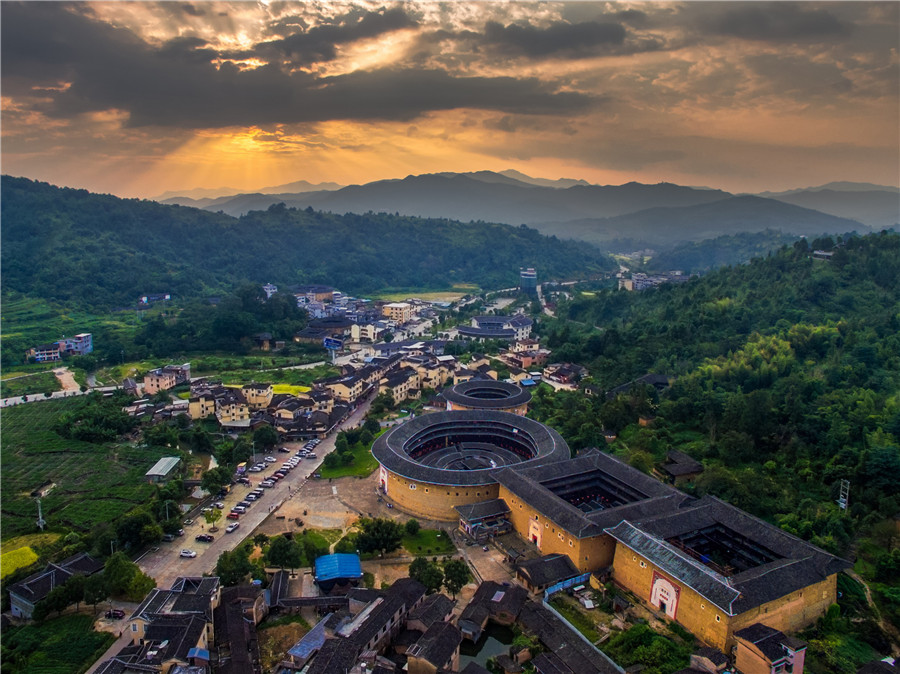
[(139, 98)]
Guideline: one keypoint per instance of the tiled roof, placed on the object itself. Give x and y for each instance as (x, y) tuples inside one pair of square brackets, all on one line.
[(559, 638), (797, 564), (547, 570), (482, 509), (389, 449), (434, 608), (502, 395), (438, 644), (527, 483)]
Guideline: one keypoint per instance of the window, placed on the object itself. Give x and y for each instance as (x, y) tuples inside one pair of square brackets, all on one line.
[(546, 525), (643, 565), (426, 490), (571, 544), (718, 618), (412, 486), (634, 558), (134, 627), (703, 606)]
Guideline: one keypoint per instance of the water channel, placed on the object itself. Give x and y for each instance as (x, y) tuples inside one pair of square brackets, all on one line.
[(495, 640)]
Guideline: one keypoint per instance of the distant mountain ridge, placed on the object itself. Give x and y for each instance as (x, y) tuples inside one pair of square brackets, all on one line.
[(651, 215)]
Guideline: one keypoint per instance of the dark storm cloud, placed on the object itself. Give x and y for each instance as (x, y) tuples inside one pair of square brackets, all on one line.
[(778, 22), (320, 42), (560, 38), (193, 10), (177, 85)]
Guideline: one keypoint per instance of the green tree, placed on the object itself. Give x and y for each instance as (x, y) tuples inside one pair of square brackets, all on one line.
[(284, 552), (211, 517), (412, 527), (265, 436), (379, 535), (456, 575), (233, 566), (95, 589), (215, 478), (119, 571), (75, 589), (428, 573)]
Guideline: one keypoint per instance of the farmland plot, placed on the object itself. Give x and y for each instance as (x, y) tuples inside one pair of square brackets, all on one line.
[(92, 482)]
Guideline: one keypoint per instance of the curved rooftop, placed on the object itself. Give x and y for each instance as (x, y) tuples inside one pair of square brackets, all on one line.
[(487, 394), (466, 447)]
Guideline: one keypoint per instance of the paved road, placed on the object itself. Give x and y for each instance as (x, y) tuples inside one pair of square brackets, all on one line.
[(165, 564)]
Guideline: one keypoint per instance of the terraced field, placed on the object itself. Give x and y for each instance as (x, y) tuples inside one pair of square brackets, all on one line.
[(92, 482)]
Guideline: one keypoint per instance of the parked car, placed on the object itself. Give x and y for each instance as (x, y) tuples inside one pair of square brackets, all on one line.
[(270, 459), (204, 538), (231, 527), (255, 469), (219, 505), (252, 497), (240, 510), (207, 509), (115, 614), (180, 532), (188, 522), (311, 456), (233, 516), (168, 537), (245, 504), (245, 480), (284, 450), (188, 553)]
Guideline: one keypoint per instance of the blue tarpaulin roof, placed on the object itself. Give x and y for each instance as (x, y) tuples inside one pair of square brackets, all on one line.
[(339, 565)]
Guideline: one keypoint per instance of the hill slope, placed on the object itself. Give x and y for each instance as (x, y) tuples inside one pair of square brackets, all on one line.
[(74, 246)]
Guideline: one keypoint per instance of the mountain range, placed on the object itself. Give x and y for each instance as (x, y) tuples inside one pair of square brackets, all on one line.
[(663, 214)]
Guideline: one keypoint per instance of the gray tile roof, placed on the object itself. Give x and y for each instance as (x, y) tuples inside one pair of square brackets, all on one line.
[(482, 509), (529, 484), (547, 570), (795, 564), (390, 448), (438, 644), (487, 394)]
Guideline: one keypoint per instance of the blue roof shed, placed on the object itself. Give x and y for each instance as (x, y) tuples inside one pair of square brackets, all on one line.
[(338, 565)]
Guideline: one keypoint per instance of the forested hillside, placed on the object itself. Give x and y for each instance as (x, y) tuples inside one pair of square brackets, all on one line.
[(786, 381), (100, 251)]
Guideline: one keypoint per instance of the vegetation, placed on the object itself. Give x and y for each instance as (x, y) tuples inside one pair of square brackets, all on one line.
[(61, 646), (101, 251), (67, 443), (352, 455), (640, 645), (428, 542), (29, 384), (16, 559), (379, 535), (786, 374)]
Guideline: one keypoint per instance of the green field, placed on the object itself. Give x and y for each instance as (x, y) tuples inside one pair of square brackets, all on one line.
[(36, 383), (363, 465), (94, 483), (452, 294), (66, 645), (429, 542)]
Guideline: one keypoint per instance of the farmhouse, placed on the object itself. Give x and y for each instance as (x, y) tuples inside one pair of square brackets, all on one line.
[(25, 594)]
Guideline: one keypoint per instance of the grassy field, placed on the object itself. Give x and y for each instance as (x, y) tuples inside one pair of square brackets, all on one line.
[(64, 645), (39, 382), (363, 465), (452, 294), (94, 482), (16, 559), (429, 542)]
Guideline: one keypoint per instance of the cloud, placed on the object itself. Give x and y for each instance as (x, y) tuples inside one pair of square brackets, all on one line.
[(578, 39), (177, 83), (778, 22), (320, 42)]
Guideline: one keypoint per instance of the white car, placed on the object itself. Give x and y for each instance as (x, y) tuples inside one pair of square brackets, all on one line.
[(231, 527), (188, 553), (255, 469), (270, 459)]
